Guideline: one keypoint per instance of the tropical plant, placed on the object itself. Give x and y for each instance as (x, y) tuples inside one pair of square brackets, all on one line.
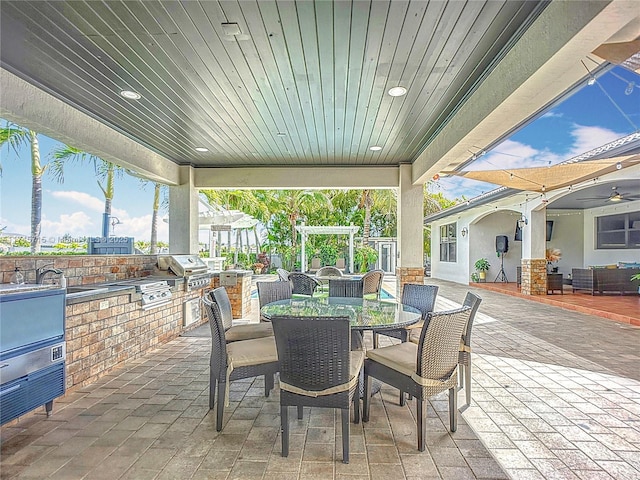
[(482, 265), (475, 277), (328, 254), (105, 171), (365, 256), (15, 137)]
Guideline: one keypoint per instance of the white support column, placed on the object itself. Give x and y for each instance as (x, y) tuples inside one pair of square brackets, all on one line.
[(410, 267), (351, 252), (534, 264), (183, 214), (303, 256)]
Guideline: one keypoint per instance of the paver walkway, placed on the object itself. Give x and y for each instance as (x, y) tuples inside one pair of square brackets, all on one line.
[(556, 394)]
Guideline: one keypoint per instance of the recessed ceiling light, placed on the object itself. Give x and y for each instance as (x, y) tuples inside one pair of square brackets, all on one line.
[(281, 134), (130, 94), (375, 148), (231, 29), (397, 91), (201, 149)]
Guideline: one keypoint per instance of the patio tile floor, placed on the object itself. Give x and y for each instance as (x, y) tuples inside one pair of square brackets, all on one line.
[(556, 394)]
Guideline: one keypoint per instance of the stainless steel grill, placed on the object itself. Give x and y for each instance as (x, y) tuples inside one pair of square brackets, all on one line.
[(192, 268), (154, 294)]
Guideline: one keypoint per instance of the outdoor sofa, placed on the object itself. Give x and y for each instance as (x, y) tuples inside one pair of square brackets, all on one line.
[(605, 280)]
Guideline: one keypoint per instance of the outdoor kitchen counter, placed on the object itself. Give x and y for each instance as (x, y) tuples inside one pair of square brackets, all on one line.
[(99, 291), (238, 286)]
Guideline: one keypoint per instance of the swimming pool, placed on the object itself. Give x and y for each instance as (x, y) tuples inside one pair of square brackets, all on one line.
[(384, 295)]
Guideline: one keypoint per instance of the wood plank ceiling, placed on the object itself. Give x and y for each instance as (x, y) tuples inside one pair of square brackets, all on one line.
[(305, 83)]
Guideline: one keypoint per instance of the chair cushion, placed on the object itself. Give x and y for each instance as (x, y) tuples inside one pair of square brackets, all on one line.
[(356, 359), (251, 352), (248, 332), (401, 357)]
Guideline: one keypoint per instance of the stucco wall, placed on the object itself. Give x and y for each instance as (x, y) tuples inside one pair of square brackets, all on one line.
[(480, 242), (609, 256), (567, 225)]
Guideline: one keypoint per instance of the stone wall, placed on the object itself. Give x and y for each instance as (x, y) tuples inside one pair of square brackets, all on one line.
[(104, 333), (80, 269), (534, 276), (239, 295)]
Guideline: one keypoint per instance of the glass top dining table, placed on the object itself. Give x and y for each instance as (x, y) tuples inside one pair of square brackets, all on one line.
[(364, 314)]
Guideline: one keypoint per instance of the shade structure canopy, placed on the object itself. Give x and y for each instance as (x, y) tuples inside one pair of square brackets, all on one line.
[(545, 179), (306, 230)]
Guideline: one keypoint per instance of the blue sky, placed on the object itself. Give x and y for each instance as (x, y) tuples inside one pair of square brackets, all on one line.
[(586, 120), (580, 123)]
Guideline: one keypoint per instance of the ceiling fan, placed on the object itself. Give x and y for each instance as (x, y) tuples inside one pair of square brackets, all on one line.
[(615, 196)]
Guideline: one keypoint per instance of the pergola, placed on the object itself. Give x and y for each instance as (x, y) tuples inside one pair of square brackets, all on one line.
[(305, 230)]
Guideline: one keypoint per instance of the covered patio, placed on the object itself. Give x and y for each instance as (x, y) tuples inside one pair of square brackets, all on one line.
[(546, 404)]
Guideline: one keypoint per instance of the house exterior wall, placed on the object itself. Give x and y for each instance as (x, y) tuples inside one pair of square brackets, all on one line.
[(480, 242), (609, 256), (566, 226)]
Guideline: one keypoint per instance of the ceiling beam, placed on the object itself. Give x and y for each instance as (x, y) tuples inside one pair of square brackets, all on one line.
[(297, 177), (33, 108), (542, 65)]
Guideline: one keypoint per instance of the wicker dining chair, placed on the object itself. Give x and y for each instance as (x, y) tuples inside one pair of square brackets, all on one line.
[(329, 272), (318, 368), (234, 333), (372, 282), (303, 284), (283, 274), (422, 297), (272, 292), (423, 369), (472, 301), (342, 287), (236, 360)]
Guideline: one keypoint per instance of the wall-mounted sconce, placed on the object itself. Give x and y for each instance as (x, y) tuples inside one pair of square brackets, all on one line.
[(464, 231), (523, 222)]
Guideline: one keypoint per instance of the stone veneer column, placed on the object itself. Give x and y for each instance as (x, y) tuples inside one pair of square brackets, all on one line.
[(239, 295), (534, 276), (407, 275)]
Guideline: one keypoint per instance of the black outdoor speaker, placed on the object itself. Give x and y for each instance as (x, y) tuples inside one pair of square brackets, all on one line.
[(502, 243)]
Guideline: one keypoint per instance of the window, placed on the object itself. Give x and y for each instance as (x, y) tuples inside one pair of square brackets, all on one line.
[(448, 242), (618, 231)]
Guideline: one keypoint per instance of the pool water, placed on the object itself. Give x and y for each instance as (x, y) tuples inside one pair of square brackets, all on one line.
[(384, 295)]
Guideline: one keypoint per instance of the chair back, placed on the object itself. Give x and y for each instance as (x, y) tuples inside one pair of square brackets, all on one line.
[(218, 341), (315, 263), (340, 263), (472, 301), (440, 343), (221, 298), (422, 297), (342, 287), (283, 274), (303, 284), (272, 292), (372, 282), (329, 272), (313, 352)]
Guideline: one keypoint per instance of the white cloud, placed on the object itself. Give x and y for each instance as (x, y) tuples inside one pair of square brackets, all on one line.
[(84, 199), (552, 114), (77, 224), (586, 138)]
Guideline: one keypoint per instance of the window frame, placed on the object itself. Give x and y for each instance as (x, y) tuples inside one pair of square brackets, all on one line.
[(449, 243), (625, 237)]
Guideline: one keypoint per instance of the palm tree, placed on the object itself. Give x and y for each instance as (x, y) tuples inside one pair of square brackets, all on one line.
[(106, 171), (383, 201), (16, 136)]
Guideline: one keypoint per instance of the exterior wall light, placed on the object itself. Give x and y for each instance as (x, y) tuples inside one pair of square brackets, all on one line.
[(464, 231)]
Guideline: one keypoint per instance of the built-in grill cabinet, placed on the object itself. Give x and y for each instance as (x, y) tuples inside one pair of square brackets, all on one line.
[(32, 351)]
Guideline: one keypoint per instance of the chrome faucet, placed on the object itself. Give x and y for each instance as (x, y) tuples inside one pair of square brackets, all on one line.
[(42, 271)]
